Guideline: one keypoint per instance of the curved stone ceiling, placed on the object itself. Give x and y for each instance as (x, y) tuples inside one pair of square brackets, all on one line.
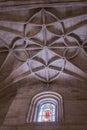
[(45, 42)]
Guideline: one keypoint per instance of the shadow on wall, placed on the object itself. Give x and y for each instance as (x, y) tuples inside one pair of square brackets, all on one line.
[(5, 101)]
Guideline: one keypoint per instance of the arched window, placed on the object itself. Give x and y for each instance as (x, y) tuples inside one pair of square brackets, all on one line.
[(46, 107), (47, 111)]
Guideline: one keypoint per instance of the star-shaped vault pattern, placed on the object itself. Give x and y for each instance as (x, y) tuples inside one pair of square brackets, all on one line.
[(45, 42)]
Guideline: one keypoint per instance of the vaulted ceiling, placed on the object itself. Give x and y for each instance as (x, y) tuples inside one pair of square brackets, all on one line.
[(43, 42)]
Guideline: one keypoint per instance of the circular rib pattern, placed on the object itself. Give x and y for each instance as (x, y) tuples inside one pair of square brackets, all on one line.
[(44, 43)]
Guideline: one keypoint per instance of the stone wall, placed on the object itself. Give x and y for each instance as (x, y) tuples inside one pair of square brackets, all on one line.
[(19, 84), (74, 107)]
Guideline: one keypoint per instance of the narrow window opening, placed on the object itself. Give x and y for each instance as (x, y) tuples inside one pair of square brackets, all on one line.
[(46, 107), (47, 112)]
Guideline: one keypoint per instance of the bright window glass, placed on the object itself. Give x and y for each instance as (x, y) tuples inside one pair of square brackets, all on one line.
[(47, 112)]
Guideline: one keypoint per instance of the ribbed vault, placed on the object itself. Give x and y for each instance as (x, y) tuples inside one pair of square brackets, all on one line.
[(43, 42)]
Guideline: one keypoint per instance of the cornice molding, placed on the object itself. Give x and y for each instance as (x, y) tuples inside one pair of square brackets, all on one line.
[(17, 5)]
